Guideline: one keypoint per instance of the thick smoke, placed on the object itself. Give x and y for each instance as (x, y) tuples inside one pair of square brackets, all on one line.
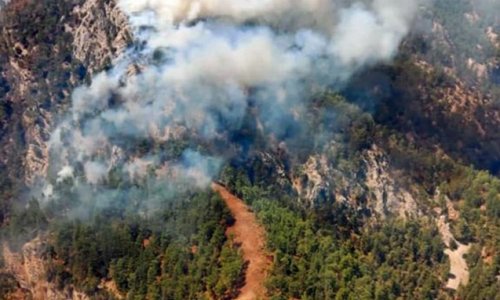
[(203, 65)]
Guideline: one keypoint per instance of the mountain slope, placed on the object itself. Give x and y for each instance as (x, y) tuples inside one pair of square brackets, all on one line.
[(370, 187)]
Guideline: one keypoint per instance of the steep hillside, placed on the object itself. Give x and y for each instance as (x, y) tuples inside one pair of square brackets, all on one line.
[(372, 171), (48, 48)]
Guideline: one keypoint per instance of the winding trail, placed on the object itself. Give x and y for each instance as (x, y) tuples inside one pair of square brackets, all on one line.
[(458, 264), (251, 235)]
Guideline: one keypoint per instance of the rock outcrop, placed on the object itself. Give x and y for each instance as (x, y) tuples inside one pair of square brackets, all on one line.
[(29, 268), (41, 62), (388, 196), (101, 33), (42, 67), (319, 181)]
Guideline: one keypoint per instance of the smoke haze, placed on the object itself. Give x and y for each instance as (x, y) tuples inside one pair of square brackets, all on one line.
[(202, 63)]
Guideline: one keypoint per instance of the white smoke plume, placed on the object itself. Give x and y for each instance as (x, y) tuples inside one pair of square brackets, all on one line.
[(202, 63), (66, 172)]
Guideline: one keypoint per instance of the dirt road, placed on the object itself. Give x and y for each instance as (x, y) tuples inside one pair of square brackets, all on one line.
[(458, 265), (250, 234)]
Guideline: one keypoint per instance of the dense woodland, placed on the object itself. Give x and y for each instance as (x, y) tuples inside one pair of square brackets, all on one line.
[(181, 252), (395, 254), (333, 251), (336, 258), (328, 251)]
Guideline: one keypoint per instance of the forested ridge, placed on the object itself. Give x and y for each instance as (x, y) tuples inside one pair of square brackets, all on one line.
[(339, 258), (331, 251), (350, 200), (181, 252), (335, 251)]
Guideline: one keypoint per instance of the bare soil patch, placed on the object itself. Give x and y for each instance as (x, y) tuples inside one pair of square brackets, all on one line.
[(247, 232), (458, 265)]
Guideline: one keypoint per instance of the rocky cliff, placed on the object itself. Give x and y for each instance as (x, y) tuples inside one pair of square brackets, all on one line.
[(42, 62), (436, 95), (374, 187), (46, 49), (30, 268)]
